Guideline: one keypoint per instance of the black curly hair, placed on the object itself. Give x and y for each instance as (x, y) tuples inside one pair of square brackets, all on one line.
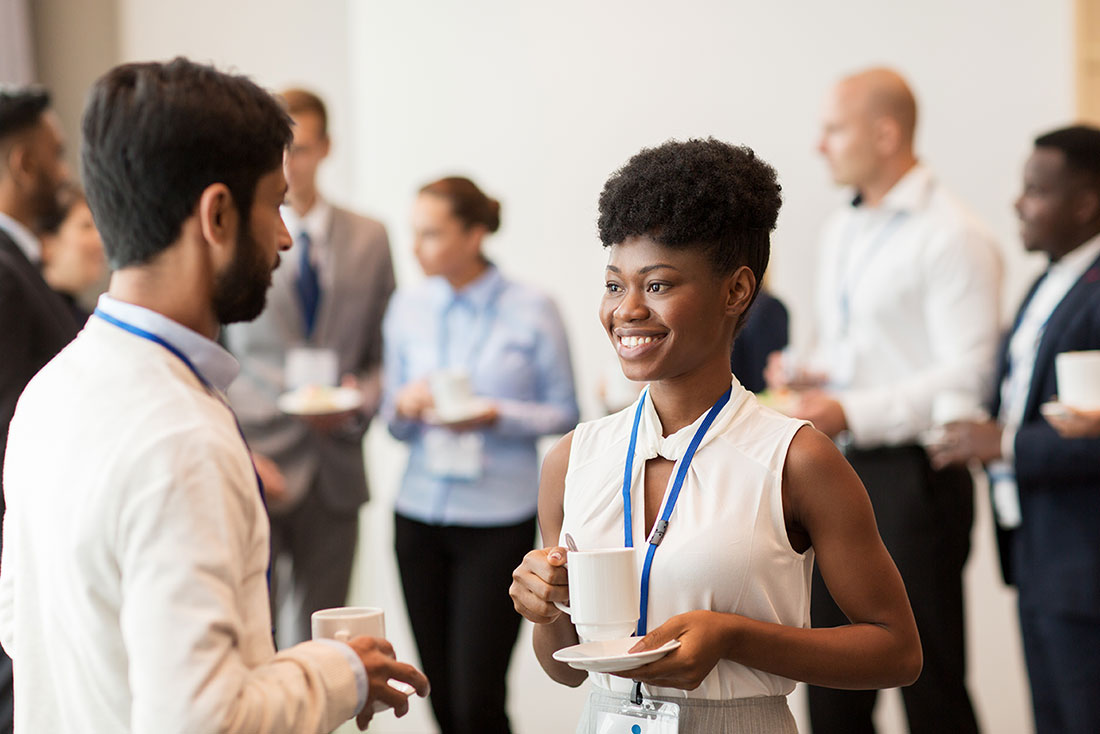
[(698, 194)]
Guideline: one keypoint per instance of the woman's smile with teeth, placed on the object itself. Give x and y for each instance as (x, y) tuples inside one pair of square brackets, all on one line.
[(634, 341)]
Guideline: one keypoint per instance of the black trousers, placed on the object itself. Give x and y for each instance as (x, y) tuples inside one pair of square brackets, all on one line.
[(1063, 667), (924, 517), (456, 583), (312, 554)]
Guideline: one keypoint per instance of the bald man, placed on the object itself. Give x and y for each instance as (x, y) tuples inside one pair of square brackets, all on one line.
[(907, 318)]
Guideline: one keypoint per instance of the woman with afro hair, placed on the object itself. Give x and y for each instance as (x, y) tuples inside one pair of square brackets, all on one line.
[(729, 502)]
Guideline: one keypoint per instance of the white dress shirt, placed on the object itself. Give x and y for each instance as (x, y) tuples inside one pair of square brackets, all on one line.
[(1022, 348), (23, 237), (133, 590), (907, 308), (316, 223)]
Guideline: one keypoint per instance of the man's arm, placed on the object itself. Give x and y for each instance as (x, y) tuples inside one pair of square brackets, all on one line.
[(194, 618)]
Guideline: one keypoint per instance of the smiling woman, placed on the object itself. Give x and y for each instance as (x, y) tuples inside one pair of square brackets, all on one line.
[(731, 501)]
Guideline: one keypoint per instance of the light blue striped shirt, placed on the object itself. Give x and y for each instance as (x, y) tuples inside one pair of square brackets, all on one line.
[(510, 339)]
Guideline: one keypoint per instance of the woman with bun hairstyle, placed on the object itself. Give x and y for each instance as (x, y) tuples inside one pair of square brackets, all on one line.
[(729, 503), (477, 369)]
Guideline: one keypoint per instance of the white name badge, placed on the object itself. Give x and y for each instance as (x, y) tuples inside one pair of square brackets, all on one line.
[(453, 454), (650, 717)]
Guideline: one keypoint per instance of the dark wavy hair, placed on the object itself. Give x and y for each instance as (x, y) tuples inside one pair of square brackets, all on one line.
[(157, 134), (698, 194)]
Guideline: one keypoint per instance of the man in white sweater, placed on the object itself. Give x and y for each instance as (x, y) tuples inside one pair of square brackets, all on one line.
[(133, 583)]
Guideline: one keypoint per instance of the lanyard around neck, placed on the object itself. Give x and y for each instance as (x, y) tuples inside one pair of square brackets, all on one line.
[(852, 278), (661, 526), (150, 336)]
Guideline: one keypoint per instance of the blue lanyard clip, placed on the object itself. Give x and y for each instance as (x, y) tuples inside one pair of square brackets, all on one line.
[(658, 532)]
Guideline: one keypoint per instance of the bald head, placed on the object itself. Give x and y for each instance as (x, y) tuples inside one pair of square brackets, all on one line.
[(867, 132), (883, 93)]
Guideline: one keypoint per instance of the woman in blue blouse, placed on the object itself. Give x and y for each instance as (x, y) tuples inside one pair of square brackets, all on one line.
[(465, 514)]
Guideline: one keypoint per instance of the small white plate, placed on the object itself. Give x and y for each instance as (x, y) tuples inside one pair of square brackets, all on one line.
[(611, 656), (1054, 409), (472, 409), (319, 400)]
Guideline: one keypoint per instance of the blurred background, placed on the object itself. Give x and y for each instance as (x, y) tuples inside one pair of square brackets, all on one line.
[(539, 103)]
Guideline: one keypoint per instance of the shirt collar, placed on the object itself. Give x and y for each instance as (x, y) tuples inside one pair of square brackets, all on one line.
[(214, 364), (674, 446), (479, 293), (315, 221), (909, 194), (1074, 263), (24, 238)]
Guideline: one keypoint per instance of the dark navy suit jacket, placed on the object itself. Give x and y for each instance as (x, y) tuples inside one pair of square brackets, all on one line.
[(1054, 556)]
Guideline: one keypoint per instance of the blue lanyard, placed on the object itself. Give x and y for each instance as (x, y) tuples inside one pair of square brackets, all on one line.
[(852, 279), (150, 336), (661, 526)]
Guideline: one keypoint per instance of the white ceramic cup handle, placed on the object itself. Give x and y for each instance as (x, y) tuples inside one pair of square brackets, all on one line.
[(564, 608), (341, 636)]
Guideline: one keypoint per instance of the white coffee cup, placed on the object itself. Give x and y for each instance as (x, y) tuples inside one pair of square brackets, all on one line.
[(603, 593), (344, 623), (451, 394), (1078, 376)]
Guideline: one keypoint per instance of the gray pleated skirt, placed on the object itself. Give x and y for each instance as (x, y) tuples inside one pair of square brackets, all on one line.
[(758, 715)]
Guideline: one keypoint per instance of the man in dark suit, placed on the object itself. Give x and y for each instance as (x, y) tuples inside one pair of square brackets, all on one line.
[(1046, 488), (35, 323), (326, 302)]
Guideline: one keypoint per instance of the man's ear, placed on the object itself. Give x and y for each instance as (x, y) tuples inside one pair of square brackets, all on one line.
[(887, 135), (1088, 206), (219, 221), (19, 163), (741, 288)]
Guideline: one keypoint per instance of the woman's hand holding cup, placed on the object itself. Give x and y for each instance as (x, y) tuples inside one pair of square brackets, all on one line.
[(539, 581)]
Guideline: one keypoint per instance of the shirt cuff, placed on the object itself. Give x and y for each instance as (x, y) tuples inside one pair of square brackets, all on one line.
[(361, 684), (1008, 445)]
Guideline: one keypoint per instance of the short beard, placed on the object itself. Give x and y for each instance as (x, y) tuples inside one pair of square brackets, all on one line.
[(240, 292)]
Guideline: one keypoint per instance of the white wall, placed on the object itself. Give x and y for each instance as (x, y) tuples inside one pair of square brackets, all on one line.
[(540, 102)]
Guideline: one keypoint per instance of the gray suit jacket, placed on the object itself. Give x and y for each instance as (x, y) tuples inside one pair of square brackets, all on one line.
[(354, 295)]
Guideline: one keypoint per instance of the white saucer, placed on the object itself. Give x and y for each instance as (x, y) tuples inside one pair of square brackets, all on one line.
[(611, 656), (472, 409), (319, 400)]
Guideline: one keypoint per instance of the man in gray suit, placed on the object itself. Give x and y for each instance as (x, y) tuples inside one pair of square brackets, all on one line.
[(326, 304)]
